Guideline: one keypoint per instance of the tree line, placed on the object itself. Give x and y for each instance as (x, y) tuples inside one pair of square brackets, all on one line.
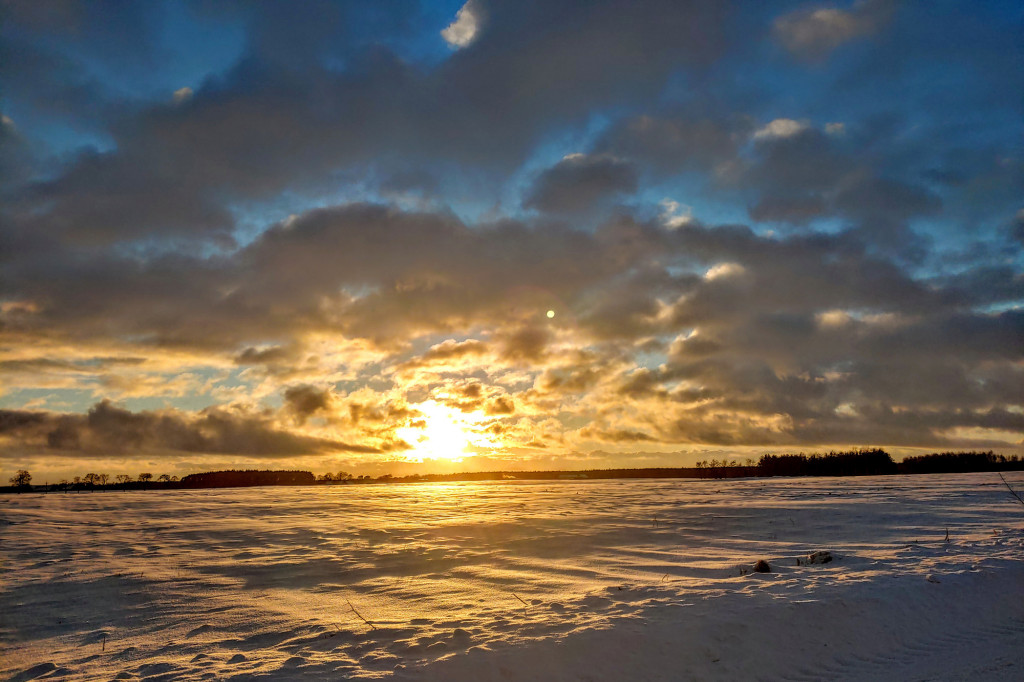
[(860, 462), (249, 477), (960, 462), (22, 480), (868, 462), (92, 481)]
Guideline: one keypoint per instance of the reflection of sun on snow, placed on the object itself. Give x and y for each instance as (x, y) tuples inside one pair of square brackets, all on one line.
[(443, 433)]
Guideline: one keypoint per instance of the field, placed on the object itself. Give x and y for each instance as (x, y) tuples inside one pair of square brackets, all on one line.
[(576, 580)]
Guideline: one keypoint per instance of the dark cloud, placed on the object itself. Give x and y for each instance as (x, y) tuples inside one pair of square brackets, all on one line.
[(108, 429), (271, 355), (265, 127), (579, 375), (1017, 227), (527, 344), (306, 401), (807, 304), (674, 144), (616, 436), (15, 157), (580, 182), (502, 405), (797, 210), (41, 57), (112, 197)]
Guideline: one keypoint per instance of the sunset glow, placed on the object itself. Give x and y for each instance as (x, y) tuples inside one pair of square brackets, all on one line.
[(511, 340), (443, 433), (389, 238)]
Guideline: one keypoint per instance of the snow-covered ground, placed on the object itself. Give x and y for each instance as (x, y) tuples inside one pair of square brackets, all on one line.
[(581, 580)]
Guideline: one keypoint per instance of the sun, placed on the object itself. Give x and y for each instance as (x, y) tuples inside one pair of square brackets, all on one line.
[(444, 433)]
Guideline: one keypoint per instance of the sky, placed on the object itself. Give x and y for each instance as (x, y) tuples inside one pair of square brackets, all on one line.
[(411, 237)]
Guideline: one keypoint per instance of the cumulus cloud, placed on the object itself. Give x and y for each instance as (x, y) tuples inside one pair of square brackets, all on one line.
[(815, 32), (723, 270), (780, 127), (463, 30), (674, 214)]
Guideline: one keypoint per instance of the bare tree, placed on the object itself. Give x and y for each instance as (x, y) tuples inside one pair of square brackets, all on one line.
[(123, 479), (145, 477), (22, 479)]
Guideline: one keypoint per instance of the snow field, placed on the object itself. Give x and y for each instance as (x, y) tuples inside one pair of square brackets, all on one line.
[(598, 580)]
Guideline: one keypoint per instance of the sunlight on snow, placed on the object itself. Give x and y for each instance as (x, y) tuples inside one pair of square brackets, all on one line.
[(601, 580)]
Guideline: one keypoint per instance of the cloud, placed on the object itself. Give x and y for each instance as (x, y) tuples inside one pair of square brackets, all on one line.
[(15, 157), (764, 307), (816, 32), (339, 219), (502, 405), (268, 126), (526, 344), (183, 95), (799, 174), (780, 127), (835, 128), (782, 341), (674, 144), (463, 30), (796, 210), (108, 429), (269, 355), (725, 270), (1017, 226), (579, 182), (674, 214), (305, 401)]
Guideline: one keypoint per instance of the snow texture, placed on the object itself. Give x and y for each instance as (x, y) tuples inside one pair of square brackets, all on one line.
[(581, 580)]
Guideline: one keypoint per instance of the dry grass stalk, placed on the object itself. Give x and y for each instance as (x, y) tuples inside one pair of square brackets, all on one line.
[(1012, 491), (372, 626)]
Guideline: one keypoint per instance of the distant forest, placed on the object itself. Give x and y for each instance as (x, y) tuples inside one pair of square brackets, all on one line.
[(862, 462), (240, 479)]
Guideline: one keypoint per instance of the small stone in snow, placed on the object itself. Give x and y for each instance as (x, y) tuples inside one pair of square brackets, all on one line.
[(762, 567)]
